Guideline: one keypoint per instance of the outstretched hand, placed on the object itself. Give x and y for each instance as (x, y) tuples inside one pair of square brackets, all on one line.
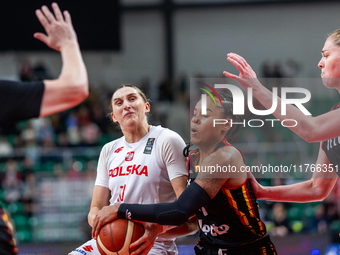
[(247, 77), (58, 27)]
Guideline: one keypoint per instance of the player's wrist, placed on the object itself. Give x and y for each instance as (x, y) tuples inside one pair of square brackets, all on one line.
[(70, 44)]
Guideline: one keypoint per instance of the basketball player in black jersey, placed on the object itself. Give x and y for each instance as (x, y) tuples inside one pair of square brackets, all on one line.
[(324, 128), (24, 100), (223, 200)]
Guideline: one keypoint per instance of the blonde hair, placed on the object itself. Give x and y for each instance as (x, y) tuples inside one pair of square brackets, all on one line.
[(335, 35)]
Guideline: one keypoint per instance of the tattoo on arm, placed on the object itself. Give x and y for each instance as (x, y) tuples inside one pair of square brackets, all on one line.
[(212, 182)]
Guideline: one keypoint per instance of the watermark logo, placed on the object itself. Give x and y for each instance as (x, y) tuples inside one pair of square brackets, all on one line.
[(239, 102), (204, 97)]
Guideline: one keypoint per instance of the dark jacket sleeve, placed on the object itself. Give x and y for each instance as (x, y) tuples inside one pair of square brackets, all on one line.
[(20, 100)]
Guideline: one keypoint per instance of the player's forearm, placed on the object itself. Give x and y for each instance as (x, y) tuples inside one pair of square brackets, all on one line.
[(188, 228), (299, 192), (73, 69), (305, 127), (71, 87)]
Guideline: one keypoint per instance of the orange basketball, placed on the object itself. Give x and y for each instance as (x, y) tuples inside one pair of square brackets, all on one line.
[(115, 237)]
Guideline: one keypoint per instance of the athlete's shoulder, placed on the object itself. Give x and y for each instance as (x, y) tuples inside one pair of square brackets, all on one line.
[(110, 145), (229, 153), (168, 134)]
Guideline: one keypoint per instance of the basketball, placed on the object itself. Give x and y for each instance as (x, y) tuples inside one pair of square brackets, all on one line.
[(115, 237)]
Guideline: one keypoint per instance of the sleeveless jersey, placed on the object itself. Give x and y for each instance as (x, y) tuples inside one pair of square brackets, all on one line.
[(136, 173), (232, 216), (332, 149)]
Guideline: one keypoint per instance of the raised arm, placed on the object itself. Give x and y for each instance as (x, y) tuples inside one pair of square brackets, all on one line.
[(71, 87), (311, 129), (25, 100), (315, 189)]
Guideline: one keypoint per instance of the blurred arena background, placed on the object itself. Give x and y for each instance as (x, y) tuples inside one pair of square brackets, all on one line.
[(48, 166)]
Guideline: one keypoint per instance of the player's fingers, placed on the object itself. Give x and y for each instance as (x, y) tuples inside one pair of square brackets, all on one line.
[(42, 37), (57, 12), (94, 227), (146, 251), (230, 75), (97, 229), (42, 19), (239, 59), (142, 249), (138, 242), (138, 250), (238, 66), (48, 14), (68, 18), (242, 61)]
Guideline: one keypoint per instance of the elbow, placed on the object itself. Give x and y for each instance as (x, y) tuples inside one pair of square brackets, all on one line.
[(307, 138), (81, 85), (80, 90), (321, 192), (309, 133), (78, 85), (83, 90), (320, 197), (310, 136)]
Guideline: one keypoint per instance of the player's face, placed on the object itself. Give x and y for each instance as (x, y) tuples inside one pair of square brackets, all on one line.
[(129, 108), (203, 132), (329, 64)]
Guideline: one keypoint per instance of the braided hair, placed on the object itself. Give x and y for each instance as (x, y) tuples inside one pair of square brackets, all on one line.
[(227, 105)]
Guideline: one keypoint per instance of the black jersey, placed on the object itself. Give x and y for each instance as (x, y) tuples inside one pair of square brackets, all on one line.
[(332, 149), (18, 101), (232, 217)]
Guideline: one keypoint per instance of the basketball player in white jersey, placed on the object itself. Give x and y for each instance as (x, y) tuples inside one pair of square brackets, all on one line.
[(144, 166)]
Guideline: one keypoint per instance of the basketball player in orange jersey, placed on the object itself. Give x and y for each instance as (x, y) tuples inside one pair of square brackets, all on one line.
[(223, 200), (24, 100), (146, 165), (324, 128)]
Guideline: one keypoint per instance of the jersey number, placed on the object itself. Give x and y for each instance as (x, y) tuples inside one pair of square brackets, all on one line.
[(121, 195)]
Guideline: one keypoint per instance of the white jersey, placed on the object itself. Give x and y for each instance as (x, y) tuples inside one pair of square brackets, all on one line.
[(141, 173)]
